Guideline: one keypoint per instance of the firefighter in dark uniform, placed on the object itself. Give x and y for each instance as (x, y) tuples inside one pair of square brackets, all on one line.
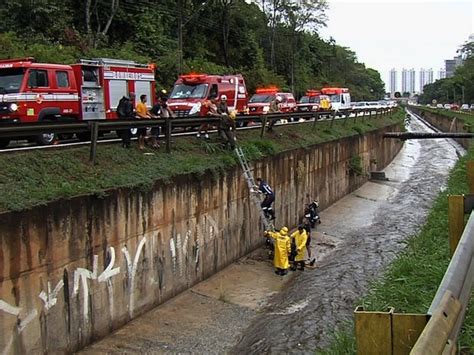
[(125, 110), (266, 204)]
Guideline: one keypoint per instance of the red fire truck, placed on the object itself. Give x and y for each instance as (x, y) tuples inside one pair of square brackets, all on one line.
[(260, 102), (88, 90), (191, 90)]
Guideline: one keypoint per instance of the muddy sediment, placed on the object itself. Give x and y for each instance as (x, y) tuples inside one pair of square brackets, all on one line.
[(246, 308)]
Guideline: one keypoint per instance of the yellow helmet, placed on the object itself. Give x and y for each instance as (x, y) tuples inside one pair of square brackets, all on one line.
[(284, 231), (233, 114)]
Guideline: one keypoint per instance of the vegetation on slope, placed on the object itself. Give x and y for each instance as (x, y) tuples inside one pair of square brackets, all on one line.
[(36, 177)]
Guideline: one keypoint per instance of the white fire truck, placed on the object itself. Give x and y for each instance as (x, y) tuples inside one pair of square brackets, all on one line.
[(88, 90)]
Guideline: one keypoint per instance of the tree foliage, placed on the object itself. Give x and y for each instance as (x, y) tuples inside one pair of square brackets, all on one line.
[(457, 89), (269, 41)]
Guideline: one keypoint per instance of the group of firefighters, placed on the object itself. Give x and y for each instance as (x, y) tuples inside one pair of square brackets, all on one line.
[(289, 250), (212, 107)]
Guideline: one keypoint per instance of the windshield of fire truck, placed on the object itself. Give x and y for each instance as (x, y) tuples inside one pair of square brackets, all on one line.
[(309, 100), (335, 98), (11, 79), (261, 98), (183, 91)]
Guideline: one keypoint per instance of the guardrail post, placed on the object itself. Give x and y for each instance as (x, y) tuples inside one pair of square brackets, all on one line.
[(356, 113), (316, 118), (456, 220), (94, 127), (333, 118), (168, 135), (370, 114), (373, 332), (470, 175), (264, 124)]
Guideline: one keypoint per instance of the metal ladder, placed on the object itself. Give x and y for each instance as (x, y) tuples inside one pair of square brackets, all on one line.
[(248, 175)]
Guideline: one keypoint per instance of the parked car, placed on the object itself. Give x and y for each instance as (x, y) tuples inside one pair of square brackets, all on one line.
[(471, 107), (447, 106), (465, 107), (455, 107), (439, 106)]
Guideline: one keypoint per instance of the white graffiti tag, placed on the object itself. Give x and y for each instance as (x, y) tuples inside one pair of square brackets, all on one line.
[(49, 299), (132, 270), (21, 323)]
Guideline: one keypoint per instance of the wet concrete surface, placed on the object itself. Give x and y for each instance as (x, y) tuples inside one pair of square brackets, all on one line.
[(246, 308)]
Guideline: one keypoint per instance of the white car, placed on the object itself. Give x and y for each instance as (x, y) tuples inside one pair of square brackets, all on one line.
[(439, 106), (465, 107), (447, 106)]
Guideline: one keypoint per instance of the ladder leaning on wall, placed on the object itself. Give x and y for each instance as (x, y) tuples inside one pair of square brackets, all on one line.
[(248, 175)]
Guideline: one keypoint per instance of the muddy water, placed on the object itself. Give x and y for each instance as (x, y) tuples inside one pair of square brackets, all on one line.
[(364, 240), (246, 308)]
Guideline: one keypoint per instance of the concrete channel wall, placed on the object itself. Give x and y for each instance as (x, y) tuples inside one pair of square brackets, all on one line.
[(74, 270), (444, 123)]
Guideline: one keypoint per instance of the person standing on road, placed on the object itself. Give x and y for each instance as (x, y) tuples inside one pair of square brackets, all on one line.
[(266, 204), (274, 108), (125, 111), (282, 245), (300, 237), (142, 114)]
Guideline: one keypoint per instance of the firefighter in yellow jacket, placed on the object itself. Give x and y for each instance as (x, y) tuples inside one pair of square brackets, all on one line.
[(282, 245), (300, 238)]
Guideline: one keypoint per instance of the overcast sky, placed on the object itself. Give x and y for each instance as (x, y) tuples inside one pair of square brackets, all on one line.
[(387, 34)]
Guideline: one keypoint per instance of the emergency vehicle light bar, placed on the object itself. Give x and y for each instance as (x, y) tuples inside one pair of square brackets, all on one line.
[(313, 92), (270, 90), (13, 60), (331, 91), (193, 77)]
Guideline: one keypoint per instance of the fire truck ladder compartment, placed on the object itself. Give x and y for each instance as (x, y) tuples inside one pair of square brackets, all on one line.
[(248, 175)]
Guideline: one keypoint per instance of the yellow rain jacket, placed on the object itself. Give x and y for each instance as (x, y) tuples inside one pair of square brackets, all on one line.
[(282, 245), (300, 241)]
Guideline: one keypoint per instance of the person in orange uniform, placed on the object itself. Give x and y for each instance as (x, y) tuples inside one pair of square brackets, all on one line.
[(142, 114), (282, 246), (300, 237)]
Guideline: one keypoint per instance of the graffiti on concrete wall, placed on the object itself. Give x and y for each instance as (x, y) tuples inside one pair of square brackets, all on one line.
[(82, 278)]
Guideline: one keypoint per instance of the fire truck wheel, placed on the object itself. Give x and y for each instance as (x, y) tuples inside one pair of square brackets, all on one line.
[(46, 139), (4, 142)]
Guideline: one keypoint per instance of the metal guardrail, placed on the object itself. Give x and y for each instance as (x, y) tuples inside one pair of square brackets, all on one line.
[(94, 127)]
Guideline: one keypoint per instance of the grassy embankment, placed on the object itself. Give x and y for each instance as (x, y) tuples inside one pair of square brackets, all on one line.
[(467, 117), (411, 281), (36, 177)]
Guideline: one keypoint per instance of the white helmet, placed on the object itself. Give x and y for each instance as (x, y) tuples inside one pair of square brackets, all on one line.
[(279, 98), (223, 97)]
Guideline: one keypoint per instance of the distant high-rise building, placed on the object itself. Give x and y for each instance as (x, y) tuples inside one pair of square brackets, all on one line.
[(429, 76), (452, 64), (441, 73), (404, 80), (393, 81), (411, 80), (422, 79)]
